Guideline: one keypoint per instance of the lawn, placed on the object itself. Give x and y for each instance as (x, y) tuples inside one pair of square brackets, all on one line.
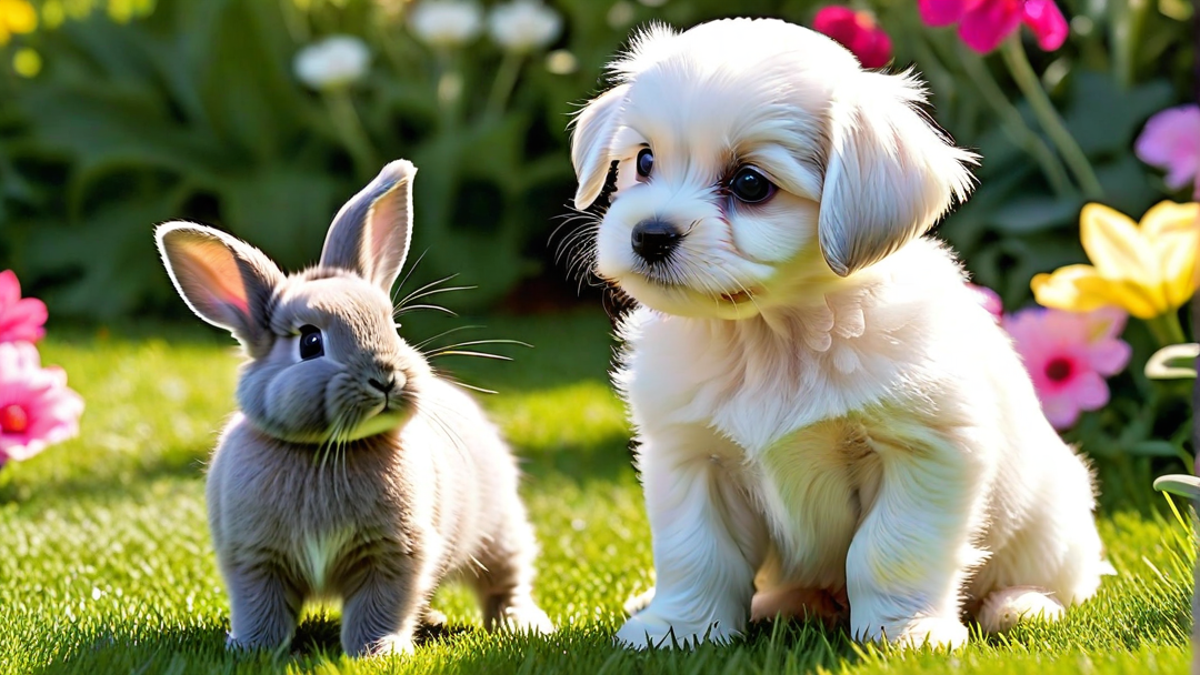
[(107, 567)]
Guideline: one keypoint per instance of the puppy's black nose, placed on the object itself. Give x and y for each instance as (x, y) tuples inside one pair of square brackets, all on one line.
[(654, 239), (385, 387)]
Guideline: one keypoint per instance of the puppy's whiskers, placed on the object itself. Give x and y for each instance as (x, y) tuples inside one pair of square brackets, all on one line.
[(745, 291)]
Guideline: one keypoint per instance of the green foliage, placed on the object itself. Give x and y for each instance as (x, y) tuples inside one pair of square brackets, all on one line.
[(109, 567), (194, 111)]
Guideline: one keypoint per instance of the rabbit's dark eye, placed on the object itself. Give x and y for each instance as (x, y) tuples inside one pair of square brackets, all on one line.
[(311, 343)]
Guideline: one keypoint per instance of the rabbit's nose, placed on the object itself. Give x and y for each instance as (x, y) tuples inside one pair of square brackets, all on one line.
[(385, 387)]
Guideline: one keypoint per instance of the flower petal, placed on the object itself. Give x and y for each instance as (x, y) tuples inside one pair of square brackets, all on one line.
[(1158, 368), (985, 26), (1171, 140), (1116, 246), (1061, 411), (1140, 301), (1047, 23), (1061, 289), (1167, 217), (939, 13), (23, 320), (1090, 391), (877, 50), (10, 289), (1174, 233), (1109, 357)]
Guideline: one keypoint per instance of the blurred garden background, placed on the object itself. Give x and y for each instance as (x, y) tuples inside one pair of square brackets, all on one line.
[(262, 117)]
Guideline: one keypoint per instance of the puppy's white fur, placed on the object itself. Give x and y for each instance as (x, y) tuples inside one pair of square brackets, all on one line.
[(823, 406)]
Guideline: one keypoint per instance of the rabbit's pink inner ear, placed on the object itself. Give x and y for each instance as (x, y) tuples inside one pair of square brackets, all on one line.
[(208, 277), (388, 234)]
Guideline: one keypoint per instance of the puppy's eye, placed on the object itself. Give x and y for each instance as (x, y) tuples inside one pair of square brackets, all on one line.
[(312, 344), (645, 162), (750, 186)]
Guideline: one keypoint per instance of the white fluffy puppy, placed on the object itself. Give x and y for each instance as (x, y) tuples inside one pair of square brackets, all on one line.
[(826, 413)]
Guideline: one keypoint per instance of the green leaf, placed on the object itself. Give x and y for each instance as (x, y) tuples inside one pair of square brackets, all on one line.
[(1035, 213), (1153, 448), (111, 256), (283, 210), (1103, 118)]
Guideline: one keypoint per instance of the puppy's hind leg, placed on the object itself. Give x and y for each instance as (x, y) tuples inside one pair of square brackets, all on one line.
[(1002, 609), (504, 583), (908, 560)]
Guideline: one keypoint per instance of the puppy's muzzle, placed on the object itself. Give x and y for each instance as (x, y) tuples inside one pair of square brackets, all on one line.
[(654, 239)]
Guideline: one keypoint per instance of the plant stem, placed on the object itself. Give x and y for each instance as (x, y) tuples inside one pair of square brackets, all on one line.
[(1015, 127), (505, 82), (1167, 329), (1051, 123), (1125, 31), (349, 126), (449, 89)]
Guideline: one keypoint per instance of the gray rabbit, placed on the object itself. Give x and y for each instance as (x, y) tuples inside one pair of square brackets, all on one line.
[(352, 470)]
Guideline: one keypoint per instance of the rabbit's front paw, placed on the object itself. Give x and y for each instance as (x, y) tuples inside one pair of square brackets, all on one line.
[(647, 629), (392, 644), (527, 619)]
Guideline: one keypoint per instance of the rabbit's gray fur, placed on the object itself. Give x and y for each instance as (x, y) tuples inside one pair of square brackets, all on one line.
[(325, 485)]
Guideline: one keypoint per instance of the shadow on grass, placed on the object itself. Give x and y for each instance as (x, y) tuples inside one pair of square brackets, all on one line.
[(117, 484), (769, 647)]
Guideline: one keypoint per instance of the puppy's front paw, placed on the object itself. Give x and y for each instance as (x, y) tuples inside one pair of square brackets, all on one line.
[(639, 602), (935, 632), (649, 630)]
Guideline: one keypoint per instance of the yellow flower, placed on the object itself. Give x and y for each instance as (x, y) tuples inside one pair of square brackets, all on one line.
[(1148, 269), (27, 62), (16, 16)]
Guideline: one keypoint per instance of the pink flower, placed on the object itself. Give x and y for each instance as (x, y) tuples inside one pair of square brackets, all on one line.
[(983, 24), (1171, 141), (989, 299), (36, 407), (20, 318), (857, 32), (1068, 355)]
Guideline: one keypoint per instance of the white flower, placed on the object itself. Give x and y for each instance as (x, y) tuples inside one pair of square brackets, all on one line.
[(524, 25), (333, 62), (446, 23)]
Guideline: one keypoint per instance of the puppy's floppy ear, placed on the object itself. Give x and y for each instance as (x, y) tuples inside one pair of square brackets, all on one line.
[(889, 174), (591, 136)]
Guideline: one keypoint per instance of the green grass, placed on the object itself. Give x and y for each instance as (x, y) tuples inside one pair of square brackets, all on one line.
[(106, 567)]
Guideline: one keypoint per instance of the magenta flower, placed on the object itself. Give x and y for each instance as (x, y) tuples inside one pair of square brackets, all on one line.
[(1068, 355), (20, 318), (989, 299), (37, 409), (1171, 141), (983, 24), (856, 31)]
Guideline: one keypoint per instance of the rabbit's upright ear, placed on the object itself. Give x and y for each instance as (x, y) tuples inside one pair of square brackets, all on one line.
[(890, 175), (225, 281), (370, 235)]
